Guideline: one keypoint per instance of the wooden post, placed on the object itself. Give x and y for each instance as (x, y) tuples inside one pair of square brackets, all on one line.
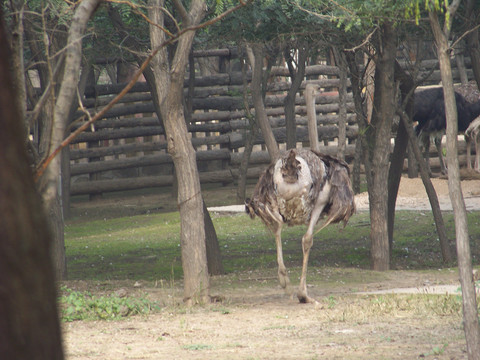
[(312, 117)]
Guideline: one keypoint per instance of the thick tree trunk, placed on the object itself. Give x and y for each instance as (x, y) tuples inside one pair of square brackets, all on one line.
[(169, 78), (470, 312), (379, 135), (29, 324)]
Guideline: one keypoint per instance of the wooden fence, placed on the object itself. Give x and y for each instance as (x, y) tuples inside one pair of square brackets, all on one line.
[(127, 149)]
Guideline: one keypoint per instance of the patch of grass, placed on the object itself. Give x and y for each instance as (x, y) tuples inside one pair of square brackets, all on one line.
[(196, 347), (147, 246), (77, 305), (436, 350)]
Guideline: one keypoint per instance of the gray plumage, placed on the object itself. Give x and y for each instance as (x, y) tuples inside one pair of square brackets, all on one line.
[(301, 187)]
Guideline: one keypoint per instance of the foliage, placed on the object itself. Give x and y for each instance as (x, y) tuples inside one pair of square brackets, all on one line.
[(107, 40), (266, 21), (77, 305)]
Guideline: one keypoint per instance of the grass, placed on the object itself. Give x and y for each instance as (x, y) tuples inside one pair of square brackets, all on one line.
[(148, 246), (82, 305)]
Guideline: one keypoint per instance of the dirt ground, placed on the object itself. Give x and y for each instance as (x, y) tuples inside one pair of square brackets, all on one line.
[(255, 319)]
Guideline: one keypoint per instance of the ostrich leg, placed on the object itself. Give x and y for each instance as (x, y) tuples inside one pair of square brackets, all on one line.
[(469, 140), (282, 270), (438, 144), (426, 148), (477, 151), (307, 242)]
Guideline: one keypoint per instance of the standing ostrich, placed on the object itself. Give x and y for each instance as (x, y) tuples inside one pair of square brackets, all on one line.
[(429, 113), (299, 188)]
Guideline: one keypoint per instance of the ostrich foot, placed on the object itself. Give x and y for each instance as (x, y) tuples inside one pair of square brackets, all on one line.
[(305, 299), (283, 278)]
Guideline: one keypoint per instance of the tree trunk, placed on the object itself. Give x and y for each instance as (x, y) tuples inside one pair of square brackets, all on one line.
[(49, 183), (470, 312), (309, 94), (296, 81), (342, 99), (360, 111), (427, 182), (249, 142), (473, 41), (29, 324), (378, 137), (169, 78), (401, 142), (258, 103), (405, 132), (214, 257)]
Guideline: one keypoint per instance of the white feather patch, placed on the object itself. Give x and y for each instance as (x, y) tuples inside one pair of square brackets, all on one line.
[(297, 189)]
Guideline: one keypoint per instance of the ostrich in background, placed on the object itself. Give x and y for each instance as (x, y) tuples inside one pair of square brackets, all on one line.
[(429, 113), (299, 188)]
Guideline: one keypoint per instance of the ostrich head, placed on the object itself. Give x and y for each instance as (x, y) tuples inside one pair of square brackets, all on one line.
[(290, 168)]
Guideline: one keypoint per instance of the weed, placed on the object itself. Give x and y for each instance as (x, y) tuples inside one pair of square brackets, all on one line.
[(221, 310), (77, 305), (437, 350), (331, 301), (197, 347)]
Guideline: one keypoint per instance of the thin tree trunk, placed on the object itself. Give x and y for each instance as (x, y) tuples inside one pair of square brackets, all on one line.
[(470, 312), (473, 41), (401, 143), (309, 94), (360, 150), (260, 112), (342, 99), (296, 81), (249, 142), (460, 61), (49, 183), (214, 257), (427, 182), (29, 324)]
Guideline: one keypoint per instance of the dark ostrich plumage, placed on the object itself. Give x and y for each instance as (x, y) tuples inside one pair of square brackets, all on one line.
[(429, 114)]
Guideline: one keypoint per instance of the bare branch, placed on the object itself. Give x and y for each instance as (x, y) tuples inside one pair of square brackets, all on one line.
[(464, 35), (366, 41)]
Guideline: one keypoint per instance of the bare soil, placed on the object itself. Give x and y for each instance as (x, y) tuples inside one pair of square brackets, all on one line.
[(254, 319)]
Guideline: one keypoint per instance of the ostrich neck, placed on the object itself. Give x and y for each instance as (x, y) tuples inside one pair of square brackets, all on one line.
[(290, 190)]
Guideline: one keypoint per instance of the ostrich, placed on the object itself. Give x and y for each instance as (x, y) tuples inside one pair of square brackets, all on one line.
[(429, 113), (299, 188), (473, 134)]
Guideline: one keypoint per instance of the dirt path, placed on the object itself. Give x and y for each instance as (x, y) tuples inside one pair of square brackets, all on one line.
[(256, 320)]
